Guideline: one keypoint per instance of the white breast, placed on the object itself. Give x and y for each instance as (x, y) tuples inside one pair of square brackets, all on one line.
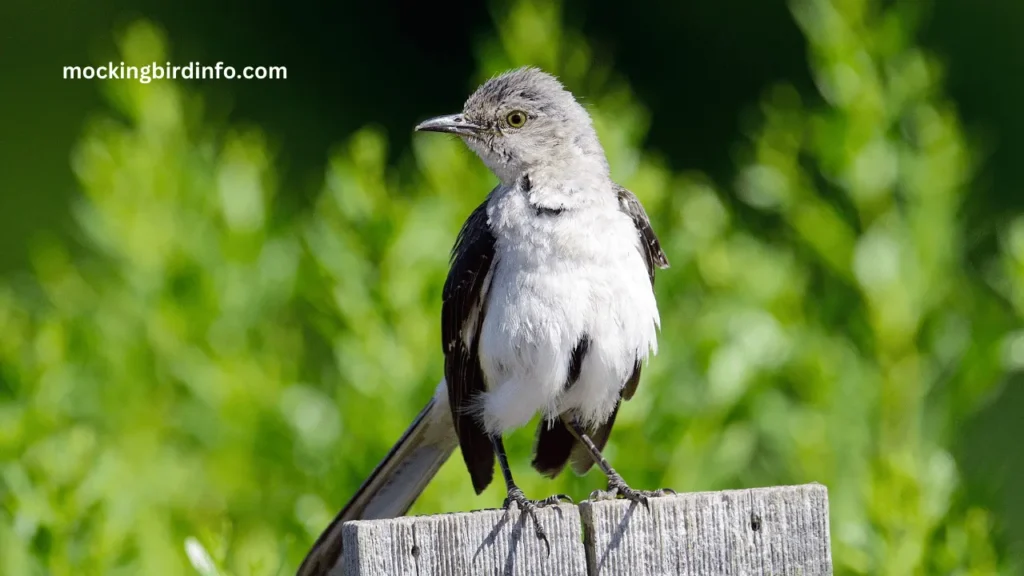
[(556, 279)]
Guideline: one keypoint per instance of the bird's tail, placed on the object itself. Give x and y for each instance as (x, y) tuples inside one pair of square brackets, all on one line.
[(396, 482)]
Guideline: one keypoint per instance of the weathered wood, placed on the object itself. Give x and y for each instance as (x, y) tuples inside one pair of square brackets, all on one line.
[(763, 531), (781, 530), (488, 542)]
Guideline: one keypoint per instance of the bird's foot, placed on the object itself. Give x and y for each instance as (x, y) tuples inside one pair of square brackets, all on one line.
[(530, 507), (617, 487)]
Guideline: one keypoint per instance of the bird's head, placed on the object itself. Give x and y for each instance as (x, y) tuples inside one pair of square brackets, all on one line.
[(522, 121)]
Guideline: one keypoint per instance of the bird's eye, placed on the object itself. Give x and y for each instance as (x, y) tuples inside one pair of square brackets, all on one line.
[(516, 118)]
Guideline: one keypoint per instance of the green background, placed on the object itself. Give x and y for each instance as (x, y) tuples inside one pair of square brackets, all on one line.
[(219, 301)]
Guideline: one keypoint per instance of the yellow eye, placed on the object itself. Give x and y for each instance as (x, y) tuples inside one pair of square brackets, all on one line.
[(516, 118)]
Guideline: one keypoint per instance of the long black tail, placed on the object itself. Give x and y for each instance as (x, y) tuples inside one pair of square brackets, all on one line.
[(395, 484)]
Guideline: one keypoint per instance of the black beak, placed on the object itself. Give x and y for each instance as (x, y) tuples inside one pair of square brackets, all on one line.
[(452, 124)]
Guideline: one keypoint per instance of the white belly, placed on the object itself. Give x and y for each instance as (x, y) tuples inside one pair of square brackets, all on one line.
[(552, 284)]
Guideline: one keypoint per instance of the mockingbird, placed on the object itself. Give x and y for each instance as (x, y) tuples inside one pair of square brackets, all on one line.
[(548, 307)]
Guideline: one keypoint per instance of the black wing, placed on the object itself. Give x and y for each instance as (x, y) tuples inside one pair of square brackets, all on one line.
[(462, 314), (650, 248)]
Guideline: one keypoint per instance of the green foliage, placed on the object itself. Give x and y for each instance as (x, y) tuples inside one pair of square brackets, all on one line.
[(206, 385)]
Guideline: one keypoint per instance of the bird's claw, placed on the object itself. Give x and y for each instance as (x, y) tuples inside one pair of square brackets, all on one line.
[(516, 496), (618, 487), (557, 499), (529, 508)]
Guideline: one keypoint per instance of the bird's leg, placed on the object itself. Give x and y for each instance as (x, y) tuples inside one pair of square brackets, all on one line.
[(515, 494), (616, 485)]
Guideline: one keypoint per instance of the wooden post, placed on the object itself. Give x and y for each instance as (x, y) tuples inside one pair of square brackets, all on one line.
[(762, 531)]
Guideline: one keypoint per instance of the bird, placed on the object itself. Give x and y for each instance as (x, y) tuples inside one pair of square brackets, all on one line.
[(548, 308)]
